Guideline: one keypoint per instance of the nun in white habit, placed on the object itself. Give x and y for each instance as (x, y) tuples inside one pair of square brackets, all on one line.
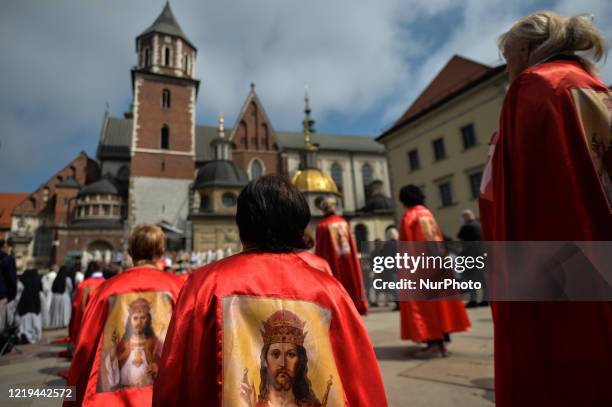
[(47, 284), (61, 299), (28, 318)]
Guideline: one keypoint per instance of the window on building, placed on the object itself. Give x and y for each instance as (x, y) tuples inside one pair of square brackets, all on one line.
[(469, 136), (166, 99), (165, 137), (45, 196), (446, 193), (185, 63), (256, 169), (475, 179), (204, 201), (228, 199), (147, 57), (413, 160), (336, 174), (439, 150), (107, 210), (367, 175), (361, 237), (167, 56)]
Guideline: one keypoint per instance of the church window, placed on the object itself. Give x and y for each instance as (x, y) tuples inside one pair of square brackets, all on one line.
[(185, 63), (167, 56), (256, 169), (367, 176), (336, 174), (147, 57), (166, 99), (165, 137), (228, 199)]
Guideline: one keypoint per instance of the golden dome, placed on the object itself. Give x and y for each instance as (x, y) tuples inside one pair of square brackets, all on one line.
[(314, 180)]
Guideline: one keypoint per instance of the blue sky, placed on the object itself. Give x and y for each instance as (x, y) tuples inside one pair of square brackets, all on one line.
[(364, 61)]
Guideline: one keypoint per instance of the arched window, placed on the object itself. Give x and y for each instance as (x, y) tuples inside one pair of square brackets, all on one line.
[(336, 174), (245, 136), (266, 136), (367, 176), (147, 57), (185, 63), (165, 137), (256, 169), (167, 56), (166, 99)]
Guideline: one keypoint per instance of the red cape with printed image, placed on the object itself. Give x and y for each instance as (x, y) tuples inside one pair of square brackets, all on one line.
[(550, 172), (86, 364), (335, 243), (428, 320), (193, 366)]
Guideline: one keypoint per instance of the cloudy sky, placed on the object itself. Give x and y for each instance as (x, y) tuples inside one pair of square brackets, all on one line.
[(365, 61)]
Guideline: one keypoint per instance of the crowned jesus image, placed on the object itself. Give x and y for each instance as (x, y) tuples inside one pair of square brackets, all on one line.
[(284, 366), (136, 358)]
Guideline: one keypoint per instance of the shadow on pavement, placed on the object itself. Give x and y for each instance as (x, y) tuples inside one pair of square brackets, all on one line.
[(395, 352)]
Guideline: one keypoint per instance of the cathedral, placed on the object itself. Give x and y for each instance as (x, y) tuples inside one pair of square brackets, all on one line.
[(156, 165)]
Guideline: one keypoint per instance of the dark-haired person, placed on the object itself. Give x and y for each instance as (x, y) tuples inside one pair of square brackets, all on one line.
[(61, 298), (93, 278), (426, 321), (335, 244), (267, 315), (28, 318), (122, 329), (8, 280), (551, 179)]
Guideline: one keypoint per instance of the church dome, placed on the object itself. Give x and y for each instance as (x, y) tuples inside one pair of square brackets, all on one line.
[(314, 180), (221, 173), (101, 187)]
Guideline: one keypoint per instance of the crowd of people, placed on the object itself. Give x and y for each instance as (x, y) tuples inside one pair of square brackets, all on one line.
[(277, 324)]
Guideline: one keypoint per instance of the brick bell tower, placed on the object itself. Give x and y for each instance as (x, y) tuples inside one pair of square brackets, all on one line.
[(163, 131)]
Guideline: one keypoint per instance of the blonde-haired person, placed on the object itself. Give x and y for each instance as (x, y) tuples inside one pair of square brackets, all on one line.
[(550, 169), (123, 328)]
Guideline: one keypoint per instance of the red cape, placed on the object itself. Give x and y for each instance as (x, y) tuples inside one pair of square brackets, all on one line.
[(85, 365), (193, 366), (79, 301), (428, 320), (546, 184), (315, 261), (335, 244)]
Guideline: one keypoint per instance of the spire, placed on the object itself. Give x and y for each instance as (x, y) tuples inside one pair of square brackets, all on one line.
[(309, 154), (220, 144), (166, 24), (308, 122)]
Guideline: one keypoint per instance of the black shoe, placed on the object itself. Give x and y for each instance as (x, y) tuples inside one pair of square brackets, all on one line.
[(373, 304), (483, 304), (471, 304)]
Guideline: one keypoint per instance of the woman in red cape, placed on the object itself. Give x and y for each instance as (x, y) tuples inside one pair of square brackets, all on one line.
[(242, 322), (122, 374), (93, 278), (550, 169), (427, 321), (335, 243)]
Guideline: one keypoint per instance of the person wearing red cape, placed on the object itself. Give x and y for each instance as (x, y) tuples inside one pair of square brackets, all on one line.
[(122, 331), (426, 321), (335, 243), (265, 327), (93, 278), (549, 178)]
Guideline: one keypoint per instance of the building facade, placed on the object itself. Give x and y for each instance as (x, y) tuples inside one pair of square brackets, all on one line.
[(441, 142), (156, 165)]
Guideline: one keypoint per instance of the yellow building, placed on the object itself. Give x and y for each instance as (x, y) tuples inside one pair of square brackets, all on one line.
[(440, 143)]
